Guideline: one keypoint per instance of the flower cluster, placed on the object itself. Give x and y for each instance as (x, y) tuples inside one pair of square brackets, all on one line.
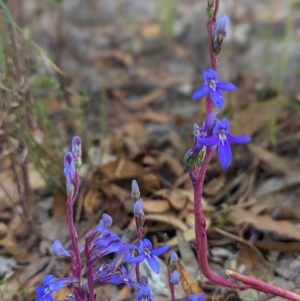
[(123, 265)]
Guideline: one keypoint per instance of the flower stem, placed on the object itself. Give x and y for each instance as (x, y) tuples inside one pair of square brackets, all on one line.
[(89, 273), (76, 264), (264, 286), (171, 286), (140, 237)]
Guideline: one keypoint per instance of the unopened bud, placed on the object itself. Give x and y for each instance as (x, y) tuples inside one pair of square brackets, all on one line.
[(138, 212), (135, 190), (173, 257), (69, 171), (220, 32), (77, 151), (175, 278)]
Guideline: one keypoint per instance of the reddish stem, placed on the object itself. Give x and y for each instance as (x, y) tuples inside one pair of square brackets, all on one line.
[(264, 286), (76, 261), (89, 273), (171, 286), (139, 231)]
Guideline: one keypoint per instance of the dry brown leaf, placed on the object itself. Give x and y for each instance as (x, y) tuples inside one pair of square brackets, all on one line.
[(274, 161), (189, 235), (117, 55), (243, 123), (152, 116), (151, 31), (214, 186), (168, 219), (178, 198), (278, 246), (146, 100), (59, 208), (123, 293), (188, 284), (253, 261), (265, 223), (156, 206), (173, 164), (121, 169), (92, 201), (148, 182), (3, 230), (61, 294), (276, 184), (11, 247)]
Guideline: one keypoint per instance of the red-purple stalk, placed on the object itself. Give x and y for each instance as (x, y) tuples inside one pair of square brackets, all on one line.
[(264, 286), (89, 269), (140, 237), (76, 261), (171, 286)]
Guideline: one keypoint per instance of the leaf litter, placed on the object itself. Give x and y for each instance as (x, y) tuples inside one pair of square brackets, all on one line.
[(128, 95)]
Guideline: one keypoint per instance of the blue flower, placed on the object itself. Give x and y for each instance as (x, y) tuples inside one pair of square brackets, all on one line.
[(222, 138), (51, 285), (193, 297), (175, 278), (144, 293), (146, 252), (213, 87)]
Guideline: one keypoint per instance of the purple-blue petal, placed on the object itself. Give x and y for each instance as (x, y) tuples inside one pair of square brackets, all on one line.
[(226, 86), (210, 120), (237, 139), (208, 141), (175, 278), (160, 251), (206, 76), (224, 152), (202, 297), (213, 74), (137, 259), (201, 92), (153, 263), (224, 124), (217, 98)]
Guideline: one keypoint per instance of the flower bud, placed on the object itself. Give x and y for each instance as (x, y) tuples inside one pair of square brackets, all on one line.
[(139, 212), (220, 32), (173, 257), (135, 190), (175, 278), (69, 171), (77, 152)]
